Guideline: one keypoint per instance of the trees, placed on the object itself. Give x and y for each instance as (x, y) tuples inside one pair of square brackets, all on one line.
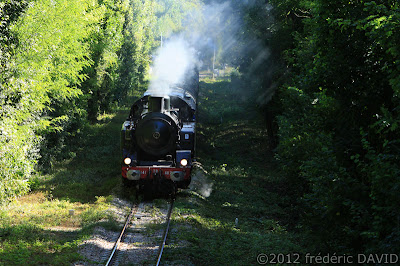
[(138, 31), (333, 69), (13, 163), (337, 131), (60, 66), (44, 65)]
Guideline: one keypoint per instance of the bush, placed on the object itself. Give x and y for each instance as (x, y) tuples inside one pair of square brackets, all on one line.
[(330, 197)]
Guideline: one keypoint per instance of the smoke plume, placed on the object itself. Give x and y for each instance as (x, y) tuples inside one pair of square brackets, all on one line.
[(171, 63), (210, 32)]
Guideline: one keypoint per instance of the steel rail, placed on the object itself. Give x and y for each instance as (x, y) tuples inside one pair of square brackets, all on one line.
[(116, 245), (161, 248)]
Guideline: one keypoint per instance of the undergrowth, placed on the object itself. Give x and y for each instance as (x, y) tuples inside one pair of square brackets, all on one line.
[(247, 212), (46, 226)]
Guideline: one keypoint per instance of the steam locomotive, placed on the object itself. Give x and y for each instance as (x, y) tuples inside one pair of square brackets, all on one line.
[(158, 137)]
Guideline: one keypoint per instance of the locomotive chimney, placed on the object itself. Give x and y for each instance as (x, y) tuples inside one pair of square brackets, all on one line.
[(159, 104)]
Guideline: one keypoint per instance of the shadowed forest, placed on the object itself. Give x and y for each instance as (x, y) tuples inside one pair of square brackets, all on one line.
[(299, 120)]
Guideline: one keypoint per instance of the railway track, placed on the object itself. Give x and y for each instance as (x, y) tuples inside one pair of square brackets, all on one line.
[(112, 259), (164, 238)]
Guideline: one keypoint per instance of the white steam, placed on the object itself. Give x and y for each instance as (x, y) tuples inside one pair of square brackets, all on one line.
[(171, 63), (200, 182), (214, 37), (208, 32)]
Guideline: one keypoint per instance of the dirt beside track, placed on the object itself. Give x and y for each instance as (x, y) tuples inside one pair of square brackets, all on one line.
[(141, 241)]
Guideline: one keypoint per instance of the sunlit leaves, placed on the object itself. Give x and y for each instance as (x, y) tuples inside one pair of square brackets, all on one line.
[(171, 15), (138, 43), (50, 48)]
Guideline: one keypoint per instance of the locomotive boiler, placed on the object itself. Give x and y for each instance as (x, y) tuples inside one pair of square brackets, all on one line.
[(158, 137)]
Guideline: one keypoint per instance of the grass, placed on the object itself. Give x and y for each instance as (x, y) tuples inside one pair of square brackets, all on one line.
[(232, 147), (35, 230), (38, 228)]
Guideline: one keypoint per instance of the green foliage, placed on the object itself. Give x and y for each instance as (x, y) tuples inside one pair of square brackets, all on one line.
[(38, 229), (18, 142), (62, 64), (171, 16), (306, 153), (45, 67), (137, 44), (302, 131), (217, 112), (105, 42), (379, 166), (245, 186), (9, 13), (339, 146)]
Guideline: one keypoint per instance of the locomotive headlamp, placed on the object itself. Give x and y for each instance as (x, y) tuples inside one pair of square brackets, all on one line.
[(127, 161), (183, 157), (184, 162)]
